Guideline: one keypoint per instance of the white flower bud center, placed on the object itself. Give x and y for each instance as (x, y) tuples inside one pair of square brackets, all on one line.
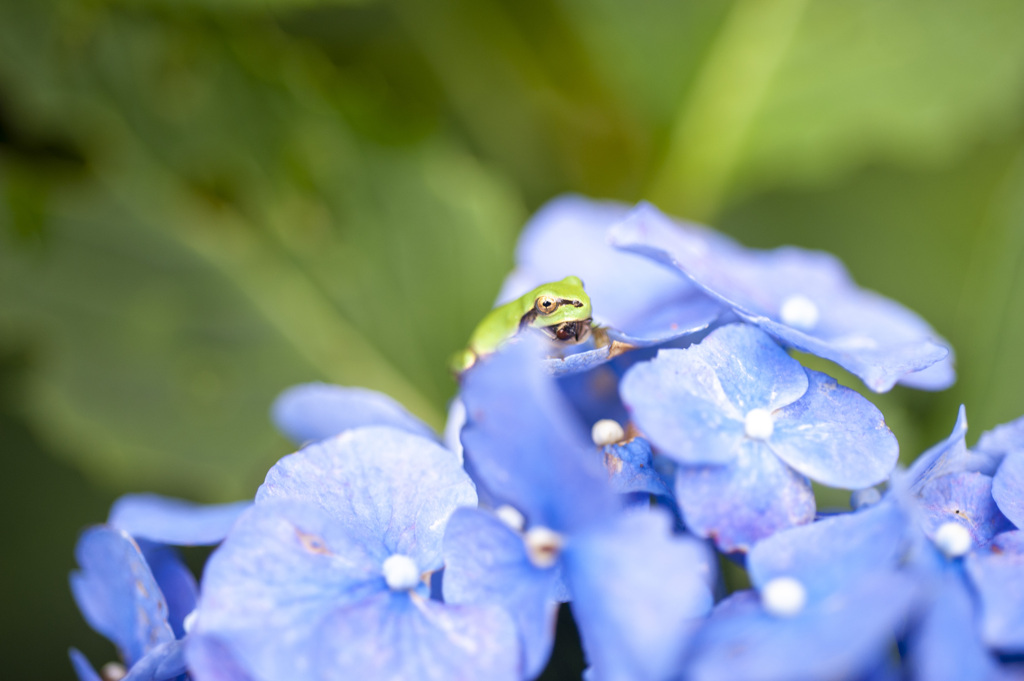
[(543, 546), (953, 539), (800, 312), (113, 671), (607, 432), (511, 517), (783, 597), (400, 572), (758, 425)]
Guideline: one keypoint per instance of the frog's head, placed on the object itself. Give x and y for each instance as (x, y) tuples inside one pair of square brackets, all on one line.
[(561, 309)]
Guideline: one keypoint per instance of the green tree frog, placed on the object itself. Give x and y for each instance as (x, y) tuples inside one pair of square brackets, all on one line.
[(561, 309)]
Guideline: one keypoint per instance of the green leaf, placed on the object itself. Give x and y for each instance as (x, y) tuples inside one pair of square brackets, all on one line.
[(801, 91), (233, 236)]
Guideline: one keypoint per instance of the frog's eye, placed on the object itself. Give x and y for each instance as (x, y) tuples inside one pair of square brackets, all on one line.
[(545, 304)]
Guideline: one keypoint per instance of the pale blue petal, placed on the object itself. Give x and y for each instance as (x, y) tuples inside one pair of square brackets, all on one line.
[(384, 486), (1002, 439), (880, 366), (692, 403), (743, 502), (964, 498), (83, 668), (638, 594), (938, 376), (997, 572), (209, 659), (834, 436), (310, 412), (486, 562), (526, 445), (832, 553), (176, 582), (631, 465), (167, 520), (1008, 487), (579, 362), (268, 588), (117, 593), (868, 334), (944, 645), (842, 636), (453, 427), (166, 661), (400, 636), (669, 321), (949, 456), (594, 395)]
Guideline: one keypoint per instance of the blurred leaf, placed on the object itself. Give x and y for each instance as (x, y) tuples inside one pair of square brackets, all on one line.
[(992, 303), (237, 237), (799, 91), (524, 88)]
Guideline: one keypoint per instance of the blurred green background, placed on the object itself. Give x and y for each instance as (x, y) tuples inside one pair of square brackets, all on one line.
[(205, 201)]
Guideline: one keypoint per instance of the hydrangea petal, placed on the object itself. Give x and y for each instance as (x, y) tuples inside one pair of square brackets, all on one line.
[(174, 521), (949, 456), (384, 485), (869, 335), (996, 573), (579, 362), (833, 552), (839, 637), (486, 562), (631, 465), (83, 668), (117, 593), (283, 569), (1008, 487), (941, 647), (938, 376), (594, 395), (400, 636), (692, 403), (964, 498), (745, 501), (453, 427), (638, 594), (669, 321), (311, 412), (1002, 439), (835, 436), (166, 661), (527, 447), (628, 292), (880, 368), (209, 659), (176, 582)]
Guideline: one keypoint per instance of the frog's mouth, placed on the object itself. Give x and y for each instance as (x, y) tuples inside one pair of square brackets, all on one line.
[(568, 332)]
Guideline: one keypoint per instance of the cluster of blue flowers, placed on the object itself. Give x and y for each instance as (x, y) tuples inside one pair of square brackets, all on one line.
[(616, 479)]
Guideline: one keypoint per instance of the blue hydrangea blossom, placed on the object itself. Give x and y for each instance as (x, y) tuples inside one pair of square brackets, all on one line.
[(120, 598), (805, 299), (324, 576), (827, 602), (636, 590), (370, 553), (749, 425)]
